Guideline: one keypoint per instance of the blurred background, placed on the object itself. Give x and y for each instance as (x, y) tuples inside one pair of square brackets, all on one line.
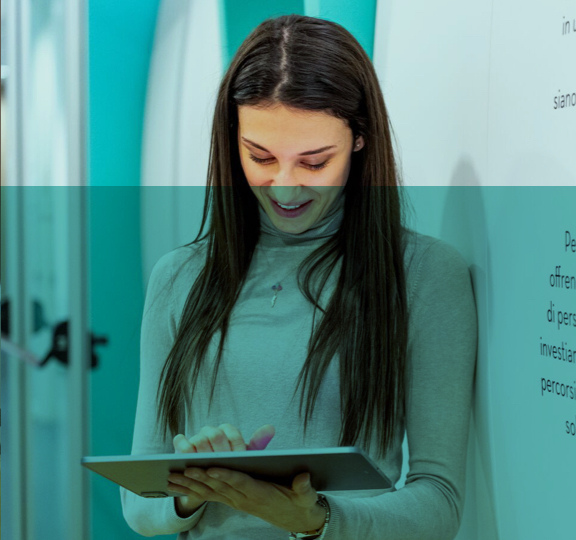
[(106, 115), (104, 104)]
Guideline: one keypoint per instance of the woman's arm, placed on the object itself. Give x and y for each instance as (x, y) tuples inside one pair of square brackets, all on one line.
[(442, 354), (150, 517)]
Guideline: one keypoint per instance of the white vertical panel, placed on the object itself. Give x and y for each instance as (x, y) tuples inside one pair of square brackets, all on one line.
[(533, 62), (46, 239), (15, 438), (531, 144), (185, 71), (432, 59), (79, 358), (433, 62), (76, 114), (471, 90)]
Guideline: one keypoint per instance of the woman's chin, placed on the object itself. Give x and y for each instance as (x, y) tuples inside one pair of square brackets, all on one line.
[(292, 226)]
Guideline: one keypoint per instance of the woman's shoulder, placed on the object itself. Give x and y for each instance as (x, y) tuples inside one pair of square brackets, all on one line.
[(180, 263), (421, 248), (429, 259)]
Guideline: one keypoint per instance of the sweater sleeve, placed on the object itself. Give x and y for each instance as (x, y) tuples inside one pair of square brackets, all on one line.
[(151, 517), (440, 373)]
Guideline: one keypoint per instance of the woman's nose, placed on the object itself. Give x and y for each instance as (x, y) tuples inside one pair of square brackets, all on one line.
[(285, 194), (283, 176)]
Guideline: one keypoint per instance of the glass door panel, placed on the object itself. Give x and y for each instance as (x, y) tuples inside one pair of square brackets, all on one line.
[(44, 274)]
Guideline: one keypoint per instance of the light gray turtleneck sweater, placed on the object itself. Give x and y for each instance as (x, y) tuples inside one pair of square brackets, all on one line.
[(264, 353)]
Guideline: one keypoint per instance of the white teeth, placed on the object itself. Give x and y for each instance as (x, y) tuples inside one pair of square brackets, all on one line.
[(289, 207)]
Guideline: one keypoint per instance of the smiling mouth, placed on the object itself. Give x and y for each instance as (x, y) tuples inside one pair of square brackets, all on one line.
[(291, 206)]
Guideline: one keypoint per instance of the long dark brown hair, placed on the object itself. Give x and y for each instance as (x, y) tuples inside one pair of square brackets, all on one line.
[(314, 65)]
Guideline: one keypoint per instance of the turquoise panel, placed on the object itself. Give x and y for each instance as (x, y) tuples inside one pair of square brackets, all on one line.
[(120, 46), (240, 18), (357, 17)]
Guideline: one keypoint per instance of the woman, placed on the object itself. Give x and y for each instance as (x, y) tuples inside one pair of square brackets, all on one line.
[(307, 316)]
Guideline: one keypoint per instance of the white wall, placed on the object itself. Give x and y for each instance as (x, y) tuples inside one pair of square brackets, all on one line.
[(185, 72), (470, 90)]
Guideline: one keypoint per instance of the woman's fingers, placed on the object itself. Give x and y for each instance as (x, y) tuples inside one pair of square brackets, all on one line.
[(261, 437), (306, 494), (198, 487), (201, 441), (195, 492), (235, 438), (182, 445), (224, 438)]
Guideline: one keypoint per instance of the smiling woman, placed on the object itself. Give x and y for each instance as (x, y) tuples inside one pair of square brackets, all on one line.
[(305, 285), (300, 163)]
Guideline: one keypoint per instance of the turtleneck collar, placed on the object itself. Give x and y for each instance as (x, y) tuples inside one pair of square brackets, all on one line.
[(271, 236)]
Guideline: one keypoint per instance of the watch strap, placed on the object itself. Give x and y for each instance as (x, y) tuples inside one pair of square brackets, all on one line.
[(318, 533)]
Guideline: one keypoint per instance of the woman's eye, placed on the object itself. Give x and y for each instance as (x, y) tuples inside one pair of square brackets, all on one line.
[(307, 165), (259, 160), (317, 167)]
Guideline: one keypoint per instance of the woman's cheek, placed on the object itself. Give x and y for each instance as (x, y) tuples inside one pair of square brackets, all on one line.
[(255, 175), (255, 179)]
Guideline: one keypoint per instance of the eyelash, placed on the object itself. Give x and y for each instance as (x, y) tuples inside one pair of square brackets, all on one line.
[(311, 167)]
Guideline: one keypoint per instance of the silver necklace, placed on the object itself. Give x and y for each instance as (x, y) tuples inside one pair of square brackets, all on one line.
[(277, 287)]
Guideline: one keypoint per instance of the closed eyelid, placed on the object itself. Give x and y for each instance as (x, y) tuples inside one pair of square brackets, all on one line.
[(248, 142), (310, 166), (256, 158), (324, 158)]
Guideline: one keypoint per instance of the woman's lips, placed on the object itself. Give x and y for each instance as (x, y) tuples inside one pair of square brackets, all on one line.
[(291, 203), (303, 207)]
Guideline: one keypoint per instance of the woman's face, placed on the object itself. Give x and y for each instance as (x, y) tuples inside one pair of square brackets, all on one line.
[(295, 158)]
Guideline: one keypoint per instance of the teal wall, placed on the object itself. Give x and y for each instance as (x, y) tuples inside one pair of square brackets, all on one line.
[(357, 17), (240, 18), (120, 44)]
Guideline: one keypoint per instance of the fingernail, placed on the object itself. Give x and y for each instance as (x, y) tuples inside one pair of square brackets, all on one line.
[(262, 443), (192, 474), (213, 475)]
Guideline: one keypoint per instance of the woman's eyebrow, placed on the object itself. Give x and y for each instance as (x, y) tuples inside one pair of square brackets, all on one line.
[(307, 153)]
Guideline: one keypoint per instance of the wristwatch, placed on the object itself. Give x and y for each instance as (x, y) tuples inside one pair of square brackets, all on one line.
[(318, 533)]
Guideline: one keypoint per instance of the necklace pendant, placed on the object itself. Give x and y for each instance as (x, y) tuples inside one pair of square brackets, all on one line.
[(276, 288)]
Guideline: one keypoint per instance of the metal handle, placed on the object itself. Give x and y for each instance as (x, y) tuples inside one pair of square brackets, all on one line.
[(15, 350), (59, 349), (60, 345)]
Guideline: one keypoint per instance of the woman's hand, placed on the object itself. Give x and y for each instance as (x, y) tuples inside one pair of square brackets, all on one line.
[(225, 438), (292, 509)]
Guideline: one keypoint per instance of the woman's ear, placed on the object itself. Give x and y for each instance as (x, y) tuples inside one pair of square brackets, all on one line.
[(358, 143)]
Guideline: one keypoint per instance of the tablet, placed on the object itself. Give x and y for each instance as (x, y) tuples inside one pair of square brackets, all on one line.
[(331, 469)]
